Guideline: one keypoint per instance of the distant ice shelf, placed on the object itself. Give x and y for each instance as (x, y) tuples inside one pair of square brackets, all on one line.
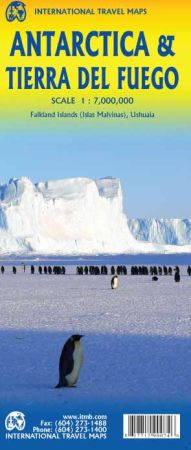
[(162, 231)]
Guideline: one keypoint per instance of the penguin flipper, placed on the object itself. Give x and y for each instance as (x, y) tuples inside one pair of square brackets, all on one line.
[(66, 363)]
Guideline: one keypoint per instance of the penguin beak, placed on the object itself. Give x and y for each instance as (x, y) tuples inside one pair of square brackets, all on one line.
[(81, 336)]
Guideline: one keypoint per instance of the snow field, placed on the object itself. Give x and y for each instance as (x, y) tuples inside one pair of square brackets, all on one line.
[(137, 338)]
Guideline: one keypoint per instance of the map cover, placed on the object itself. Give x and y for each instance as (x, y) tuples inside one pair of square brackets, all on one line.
[(95, 229)]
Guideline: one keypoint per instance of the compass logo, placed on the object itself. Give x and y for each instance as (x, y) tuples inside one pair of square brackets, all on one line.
[(16, 10), (14, 420)]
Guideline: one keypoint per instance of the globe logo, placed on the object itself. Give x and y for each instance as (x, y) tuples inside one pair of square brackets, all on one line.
[(14, 420), (16, 10)]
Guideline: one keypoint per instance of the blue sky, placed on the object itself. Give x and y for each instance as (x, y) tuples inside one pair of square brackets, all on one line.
[(154, 164)]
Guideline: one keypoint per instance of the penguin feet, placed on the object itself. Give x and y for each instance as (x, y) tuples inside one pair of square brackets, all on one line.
[(64, 386)]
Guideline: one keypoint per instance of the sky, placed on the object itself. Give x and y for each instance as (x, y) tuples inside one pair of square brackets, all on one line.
[(152, 158), (153, 164)]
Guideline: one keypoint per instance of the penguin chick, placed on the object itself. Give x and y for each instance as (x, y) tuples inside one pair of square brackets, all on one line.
[(71, 360)]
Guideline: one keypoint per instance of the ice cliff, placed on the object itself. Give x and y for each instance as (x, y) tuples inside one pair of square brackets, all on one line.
[(162, 231), (76, 216)]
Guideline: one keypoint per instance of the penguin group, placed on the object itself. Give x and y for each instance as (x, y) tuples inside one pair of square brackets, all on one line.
[(119, 270), (103, 270), (91, 270), (56, 270), (152, 270)]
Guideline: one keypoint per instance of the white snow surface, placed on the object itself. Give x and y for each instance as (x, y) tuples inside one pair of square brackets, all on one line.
[(137, 344), (69, 216)]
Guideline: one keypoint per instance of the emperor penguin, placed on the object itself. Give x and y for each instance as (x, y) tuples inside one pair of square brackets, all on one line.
[(114, 282), (71, 360), (177, 276)]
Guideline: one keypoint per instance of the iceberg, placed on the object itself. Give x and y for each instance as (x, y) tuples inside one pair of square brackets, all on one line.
[(74, 216)]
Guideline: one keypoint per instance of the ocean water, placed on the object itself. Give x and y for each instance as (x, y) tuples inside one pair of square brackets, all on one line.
[(124, 259)]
